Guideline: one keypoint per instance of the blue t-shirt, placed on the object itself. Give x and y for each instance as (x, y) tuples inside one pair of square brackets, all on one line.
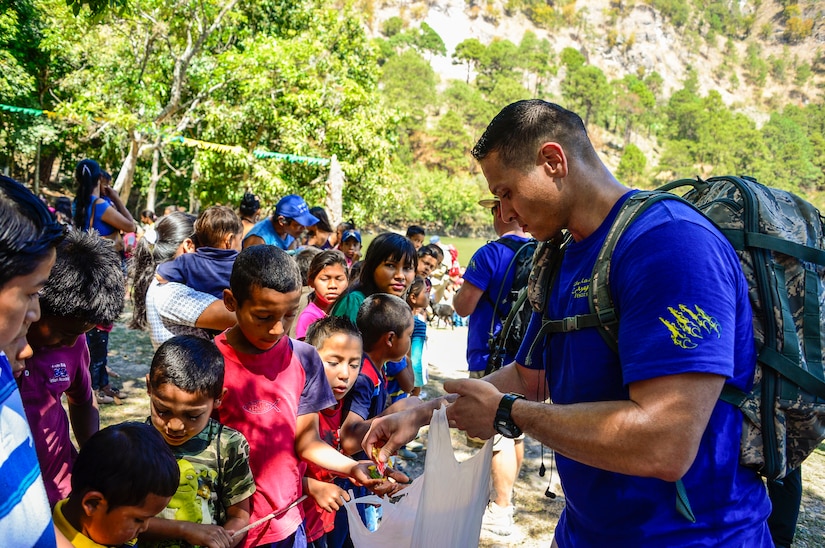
[(682, 299), (366, 398), (265, 230), (25, 516), (98, 223), (207, 270), (486, 271), (391, 370)]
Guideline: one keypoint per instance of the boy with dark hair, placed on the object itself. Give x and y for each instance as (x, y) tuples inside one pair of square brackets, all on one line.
[(122, 477), (28, 236), (185, 385), (85, 289), (415, 234), (338, 342), (276, 387), (217, 238)]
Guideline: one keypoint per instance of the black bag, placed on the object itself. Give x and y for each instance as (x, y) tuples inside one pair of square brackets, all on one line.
[(511, 308)]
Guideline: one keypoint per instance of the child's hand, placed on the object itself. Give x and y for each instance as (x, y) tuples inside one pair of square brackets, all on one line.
[(383, 485), (326, 495), (211, 536)]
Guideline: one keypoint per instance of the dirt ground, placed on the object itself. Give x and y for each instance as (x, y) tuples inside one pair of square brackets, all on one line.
[(130, 354)]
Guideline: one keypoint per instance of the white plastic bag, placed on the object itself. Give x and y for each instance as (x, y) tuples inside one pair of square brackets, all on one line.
[(443, 507)]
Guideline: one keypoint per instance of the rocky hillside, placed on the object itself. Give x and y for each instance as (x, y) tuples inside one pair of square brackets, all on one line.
[(622, 37)]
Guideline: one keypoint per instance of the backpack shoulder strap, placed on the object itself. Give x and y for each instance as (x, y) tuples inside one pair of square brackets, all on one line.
[(602, 310), (517, 248)]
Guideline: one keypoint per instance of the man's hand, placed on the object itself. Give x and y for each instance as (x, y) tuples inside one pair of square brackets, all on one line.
[(475, 409), (389, 433)]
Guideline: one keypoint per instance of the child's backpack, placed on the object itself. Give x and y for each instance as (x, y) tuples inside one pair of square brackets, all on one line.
[(514, 300), (779, 239)]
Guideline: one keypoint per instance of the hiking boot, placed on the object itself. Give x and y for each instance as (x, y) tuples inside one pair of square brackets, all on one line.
[(498, 520), (103, 398)]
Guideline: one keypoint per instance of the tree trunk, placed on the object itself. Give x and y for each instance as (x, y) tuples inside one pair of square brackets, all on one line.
[(194, 202), (154, 177), (123, 183), (334, 202)]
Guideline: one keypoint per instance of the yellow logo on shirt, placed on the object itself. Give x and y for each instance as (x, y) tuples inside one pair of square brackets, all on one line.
[(687, 325)]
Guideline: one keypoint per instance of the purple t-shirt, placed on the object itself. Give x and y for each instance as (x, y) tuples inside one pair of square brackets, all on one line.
[(308, 316), (683, 303), (49, 374)]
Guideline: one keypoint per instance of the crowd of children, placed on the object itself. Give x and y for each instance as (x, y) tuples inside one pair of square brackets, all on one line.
[(253, 437)]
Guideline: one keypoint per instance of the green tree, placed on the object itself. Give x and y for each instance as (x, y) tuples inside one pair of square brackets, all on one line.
[(427, 40), (470, 52), (632, 166), (587, 90), (452, 144), (409, 84)]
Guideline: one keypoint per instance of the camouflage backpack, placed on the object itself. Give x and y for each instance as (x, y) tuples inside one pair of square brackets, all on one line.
[(779, 239)]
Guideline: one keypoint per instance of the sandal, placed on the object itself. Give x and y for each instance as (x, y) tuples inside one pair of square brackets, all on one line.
[(114, 392), (103, 398)]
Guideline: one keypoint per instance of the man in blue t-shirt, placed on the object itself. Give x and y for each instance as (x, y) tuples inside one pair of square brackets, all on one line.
[(287, 222), (487, 279), (626, 426)]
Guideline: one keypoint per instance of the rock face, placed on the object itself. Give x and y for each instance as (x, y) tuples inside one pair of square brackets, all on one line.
[(644, 41)]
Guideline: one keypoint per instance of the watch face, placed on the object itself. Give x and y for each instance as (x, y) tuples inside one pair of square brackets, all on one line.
[(507, 429)]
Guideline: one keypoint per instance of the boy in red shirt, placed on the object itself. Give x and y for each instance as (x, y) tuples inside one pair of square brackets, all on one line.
[(275, 388)]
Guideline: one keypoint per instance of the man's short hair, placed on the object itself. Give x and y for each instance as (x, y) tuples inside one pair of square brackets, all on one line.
[(263, 267), (379, 314), (318, 332), (193, 364), (126, 462), (28, 232), (86, 282), (214, 224), (520, 128)]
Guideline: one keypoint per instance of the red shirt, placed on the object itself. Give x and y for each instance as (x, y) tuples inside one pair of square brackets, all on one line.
[(266, 393)]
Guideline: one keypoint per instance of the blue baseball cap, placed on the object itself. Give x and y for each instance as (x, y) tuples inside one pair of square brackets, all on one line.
[(293, 206), (351, 234)]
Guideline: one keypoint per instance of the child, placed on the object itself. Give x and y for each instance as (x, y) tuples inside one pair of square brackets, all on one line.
[(339, 344), (386, 324), (85, 288), (415, 234), (218, 233), (418, 298), (28, 236), (124, 475), (327, 276), (185, 384), (275, 388), (389, 267), (351, 246)]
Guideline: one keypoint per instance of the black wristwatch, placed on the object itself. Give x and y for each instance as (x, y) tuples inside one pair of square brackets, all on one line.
[(504, 424)]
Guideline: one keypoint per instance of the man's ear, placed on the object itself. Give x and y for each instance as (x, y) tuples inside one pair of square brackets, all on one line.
[(554, 159), (229, 300), (281, 220), (93, 501), (219, 399), (148, 385)]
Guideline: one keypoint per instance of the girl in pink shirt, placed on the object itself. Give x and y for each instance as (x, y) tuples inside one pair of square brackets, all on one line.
[(327, 276)]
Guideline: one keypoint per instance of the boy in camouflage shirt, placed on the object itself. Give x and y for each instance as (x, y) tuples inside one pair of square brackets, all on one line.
[(185, 384)]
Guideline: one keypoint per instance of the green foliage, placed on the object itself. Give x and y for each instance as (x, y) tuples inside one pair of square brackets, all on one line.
[(586, 89), (632, 166), (677, 11), (756, 68), (409, 84), (392, 26), (429, 41), (572, 58), (803, 74), (452, 144)]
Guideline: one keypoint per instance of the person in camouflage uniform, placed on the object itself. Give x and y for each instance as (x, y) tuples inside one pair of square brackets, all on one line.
[(185, 383)]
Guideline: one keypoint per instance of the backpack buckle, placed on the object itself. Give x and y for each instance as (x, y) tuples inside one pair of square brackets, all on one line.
[(570, 323)]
